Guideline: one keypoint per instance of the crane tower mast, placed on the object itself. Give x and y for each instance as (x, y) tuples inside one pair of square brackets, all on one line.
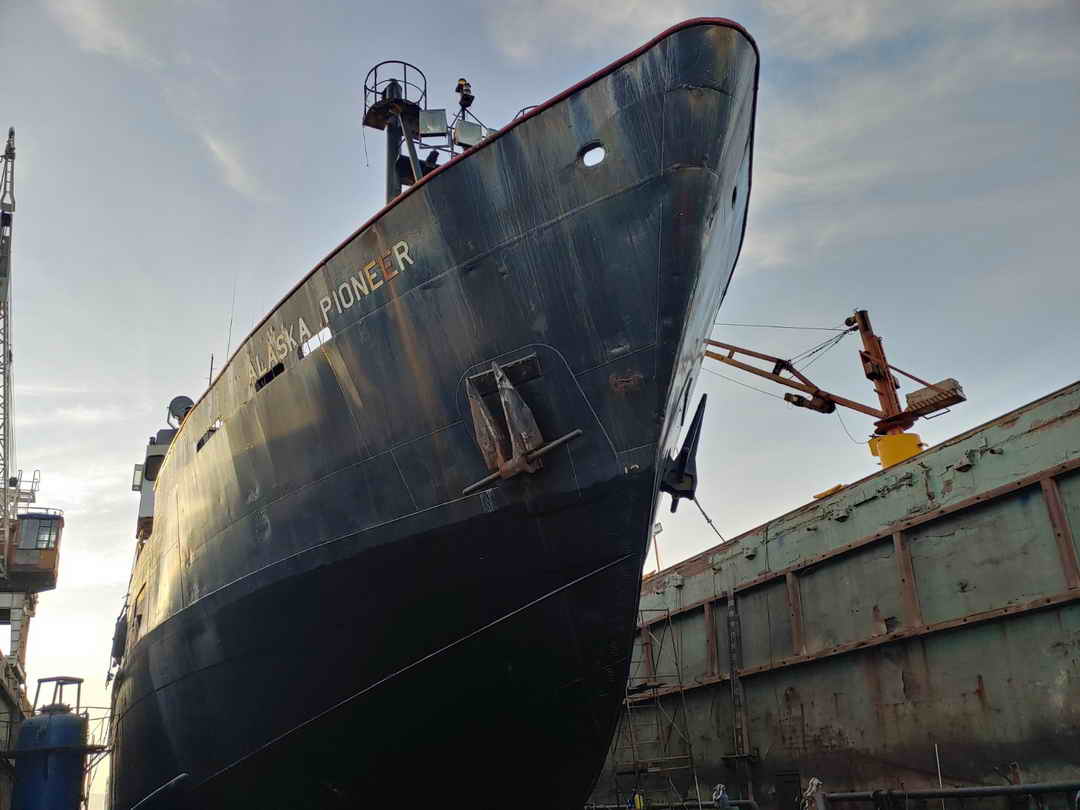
[(7, 442)]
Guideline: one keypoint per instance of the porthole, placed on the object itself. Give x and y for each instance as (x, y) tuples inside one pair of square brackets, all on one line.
[(592, 154)]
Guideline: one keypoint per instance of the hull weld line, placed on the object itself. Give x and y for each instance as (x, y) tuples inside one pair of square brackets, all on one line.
[(416, 663)]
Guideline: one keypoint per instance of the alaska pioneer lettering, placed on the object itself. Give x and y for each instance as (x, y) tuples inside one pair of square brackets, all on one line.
[(369, 277)]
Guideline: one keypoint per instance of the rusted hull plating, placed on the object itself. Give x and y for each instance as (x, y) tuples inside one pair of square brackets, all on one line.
[(930, 612), (325, 619)]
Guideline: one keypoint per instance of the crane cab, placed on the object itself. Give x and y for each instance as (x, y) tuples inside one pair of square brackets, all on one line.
[(33, 558)]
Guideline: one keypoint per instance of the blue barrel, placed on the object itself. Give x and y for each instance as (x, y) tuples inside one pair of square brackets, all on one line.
[(49, 757)]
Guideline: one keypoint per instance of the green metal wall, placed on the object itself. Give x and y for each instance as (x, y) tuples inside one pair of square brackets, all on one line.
[(936, 603)]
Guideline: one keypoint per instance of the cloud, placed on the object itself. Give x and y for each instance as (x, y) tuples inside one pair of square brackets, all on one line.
[(96, 26), (232, 165), (524, 30), (812, 30), (933, 138), (47, 389), (81, 415), (143, 36)]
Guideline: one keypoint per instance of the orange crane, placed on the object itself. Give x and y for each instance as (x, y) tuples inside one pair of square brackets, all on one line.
[(891, 442)]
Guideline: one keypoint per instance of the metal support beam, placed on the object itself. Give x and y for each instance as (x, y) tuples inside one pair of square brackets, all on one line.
[(647, 651), (740, 727), (1059, 521), (794, 598), (710, 640), (905, 572), (414, 162), (393, 150)]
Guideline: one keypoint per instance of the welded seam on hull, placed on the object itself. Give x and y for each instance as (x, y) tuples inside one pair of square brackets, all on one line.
[(636, 447), (617, 359), (418, 662), (405, 483)]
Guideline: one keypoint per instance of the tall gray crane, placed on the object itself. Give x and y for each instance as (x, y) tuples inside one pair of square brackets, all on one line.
[(7, 437), (12, 490), (25, 569)]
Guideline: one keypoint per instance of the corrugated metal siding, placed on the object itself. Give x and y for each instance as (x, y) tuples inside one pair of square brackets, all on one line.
[(936, 602)]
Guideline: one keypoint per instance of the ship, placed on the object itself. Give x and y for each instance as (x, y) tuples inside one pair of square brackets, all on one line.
[(394, 551)]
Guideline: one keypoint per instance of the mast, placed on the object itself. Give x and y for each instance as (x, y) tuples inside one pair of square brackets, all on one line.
[(394, 135), (395, 102), (7, 442)]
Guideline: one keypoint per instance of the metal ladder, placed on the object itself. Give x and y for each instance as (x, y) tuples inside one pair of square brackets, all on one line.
[(652, 748)]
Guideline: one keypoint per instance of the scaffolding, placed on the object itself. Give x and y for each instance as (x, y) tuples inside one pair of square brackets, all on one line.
[(652, 749)]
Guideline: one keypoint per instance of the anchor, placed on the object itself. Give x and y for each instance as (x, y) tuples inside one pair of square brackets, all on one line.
[(680, 475), (514, 445)]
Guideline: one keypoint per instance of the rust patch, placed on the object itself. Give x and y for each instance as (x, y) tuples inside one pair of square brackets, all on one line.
[(626, 383), (879, 621), (980, 692)]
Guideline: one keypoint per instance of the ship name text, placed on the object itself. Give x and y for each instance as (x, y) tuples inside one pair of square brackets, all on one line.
[(364, 281)]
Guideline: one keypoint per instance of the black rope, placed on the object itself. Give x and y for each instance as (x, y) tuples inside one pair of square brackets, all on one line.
[(708, 520), (744, 385), (811, 360), (779, 326), (846, 430), (822, 347)]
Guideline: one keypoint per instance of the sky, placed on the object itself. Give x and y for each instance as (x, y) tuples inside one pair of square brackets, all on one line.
[(182, 163)]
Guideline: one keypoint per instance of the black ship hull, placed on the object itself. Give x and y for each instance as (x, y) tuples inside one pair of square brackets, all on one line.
[(321, 617)]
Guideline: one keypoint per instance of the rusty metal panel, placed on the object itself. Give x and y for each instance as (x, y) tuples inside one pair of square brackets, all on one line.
[(992, 555), (838, 605), (766, 624), (688, 633)]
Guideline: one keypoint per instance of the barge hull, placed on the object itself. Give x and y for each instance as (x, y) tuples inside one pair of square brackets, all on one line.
[(931, 610)]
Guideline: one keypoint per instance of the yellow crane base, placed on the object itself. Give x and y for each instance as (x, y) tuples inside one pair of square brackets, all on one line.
[(894, 448)]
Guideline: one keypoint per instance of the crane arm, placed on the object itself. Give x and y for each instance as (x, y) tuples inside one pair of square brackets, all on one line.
[(821, 398)]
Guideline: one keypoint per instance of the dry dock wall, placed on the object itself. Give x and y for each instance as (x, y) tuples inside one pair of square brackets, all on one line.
[(936, 603)]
